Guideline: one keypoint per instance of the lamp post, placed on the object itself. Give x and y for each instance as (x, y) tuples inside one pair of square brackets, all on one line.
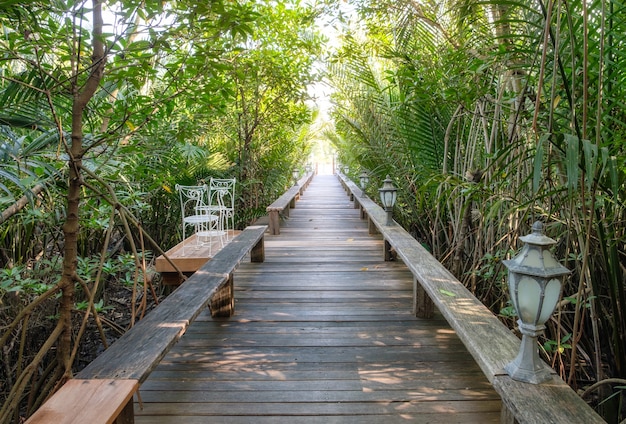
[(346, 169), (364, 179), (388, 195), (295, 174), (535, 283)]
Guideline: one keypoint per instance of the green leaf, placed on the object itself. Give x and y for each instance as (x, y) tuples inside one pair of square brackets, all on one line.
[(571, 161), (591, 157), (447, 292), (614, 177)]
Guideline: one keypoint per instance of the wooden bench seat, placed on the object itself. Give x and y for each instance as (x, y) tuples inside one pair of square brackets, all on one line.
[(281, 205), (490, 342)]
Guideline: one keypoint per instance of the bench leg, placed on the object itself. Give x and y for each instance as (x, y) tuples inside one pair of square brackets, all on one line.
[(423, 306), (127, 415), (222, 303), (274, 223), (257, 254)]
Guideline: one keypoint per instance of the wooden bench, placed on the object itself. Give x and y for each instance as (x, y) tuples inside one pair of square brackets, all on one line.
[(108, 383), (286, 201), (490, 342)]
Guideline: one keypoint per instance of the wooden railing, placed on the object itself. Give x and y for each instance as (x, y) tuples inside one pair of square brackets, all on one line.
[(103, 391), (487, 339), (286, 201)]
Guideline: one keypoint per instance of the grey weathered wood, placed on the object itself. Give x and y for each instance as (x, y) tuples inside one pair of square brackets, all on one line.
[(489, 341), (257, 253), (551, 402), (286, 201), (281, 205), (222, 304)]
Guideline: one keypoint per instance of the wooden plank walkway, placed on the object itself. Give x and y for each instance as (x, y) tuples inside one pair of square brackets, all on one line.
[(322, 333)]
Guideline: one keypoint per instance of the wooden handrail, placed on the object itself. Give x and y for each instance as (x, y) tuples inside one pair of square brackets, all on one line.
[(286, 201), (126, 363), (487, 339)]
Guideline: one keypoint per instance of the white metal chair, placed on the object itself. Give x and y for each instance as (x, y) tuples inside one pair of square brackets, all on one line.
[(224, 188), (196, 213)]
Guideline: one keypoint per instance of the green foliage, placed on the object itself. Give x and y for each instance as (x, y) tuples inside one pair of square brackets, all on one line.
[(16, 279), (552, 346)]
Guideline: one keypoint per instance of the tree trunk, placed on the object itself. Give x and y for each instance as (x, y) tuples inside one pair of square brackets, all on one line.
[(76, 152)]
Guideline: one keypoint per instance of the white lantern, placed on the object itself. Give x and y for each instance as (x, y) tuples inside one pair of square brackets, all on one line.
[(388, 195), (364, 180), (535, 282)]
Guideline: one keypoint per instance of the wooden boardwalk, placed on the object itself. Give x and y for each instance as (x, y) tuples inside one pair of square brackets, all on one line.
[(322, 333)]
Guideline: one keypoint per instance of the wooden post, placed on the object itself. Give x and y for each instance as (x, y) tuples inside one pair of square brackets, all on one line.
[(222, 303), (257, 254), (387, 251), (363, 213), (423, 306), (371, 227), (274, 217)]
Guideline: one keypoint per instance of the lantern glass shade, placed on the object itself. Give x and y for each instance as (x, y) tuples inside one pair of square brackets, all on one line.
[(364, 178), (388, 198), (388, 193), (552, 294), (534, 301)]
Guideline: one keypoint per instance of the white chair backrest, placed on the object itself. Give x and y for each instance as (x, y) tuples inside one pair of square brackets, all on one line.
[(192, 197), (226, 186), (216, 199)]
